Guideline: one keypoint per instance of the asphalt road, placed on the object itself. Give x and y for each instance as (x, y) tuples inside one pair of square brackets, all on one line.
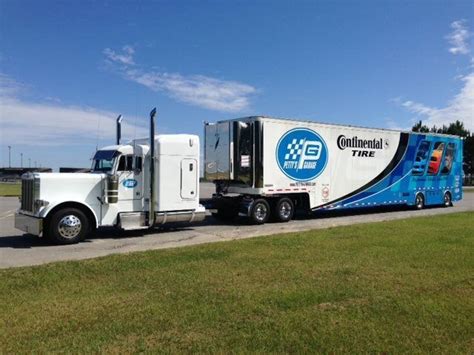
[(18, 250)]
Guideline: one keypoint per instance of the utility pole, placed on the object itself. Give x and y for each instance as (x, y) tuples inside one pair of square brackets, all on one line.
[(9, 156), (21, 160), (29, 162), (35, 164)]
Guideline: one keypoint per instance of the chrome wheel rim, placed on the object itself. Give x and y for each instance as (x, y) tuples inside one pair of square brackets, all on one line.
[(447, 200), (419, 201), (285, 210), (69, 226), (260, 212)]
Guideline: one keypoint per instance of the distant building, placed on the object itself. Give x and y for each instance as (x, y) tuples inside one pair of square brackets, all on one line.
[(14, 174), (74, 170)]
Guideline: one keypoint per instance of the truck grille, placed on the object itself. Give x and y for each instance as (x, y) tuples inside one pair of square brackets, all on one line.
[(27, 194)]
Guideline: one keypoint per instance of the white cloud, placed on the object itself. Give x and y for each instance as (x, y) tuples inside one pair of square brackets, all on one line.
[(459, 37), (393, 124), (9, 87), (461, 108), (125, 57), (419, 108), (51, 124), (198, 90)]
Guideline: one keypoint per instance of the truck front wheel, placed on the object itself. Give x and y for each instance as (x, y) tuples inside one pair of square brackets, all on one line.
[(67, 226)]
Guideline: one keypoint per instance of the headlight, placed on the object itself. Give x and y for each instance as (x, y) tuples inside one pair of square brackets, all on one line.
[(40, 203)]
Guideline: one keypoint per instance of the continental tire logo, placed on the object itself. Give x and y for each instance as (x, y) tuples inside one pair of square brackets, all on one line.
[(354, 142), (301, 154)]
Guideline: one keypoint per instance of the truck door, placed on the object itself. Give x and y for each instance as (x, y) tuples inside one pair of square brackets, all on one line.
[(129, 171), (189, 179)]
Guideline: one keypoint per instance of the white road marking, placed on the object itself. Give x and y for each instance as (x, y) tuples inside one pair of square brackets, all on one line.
[(7, 214)]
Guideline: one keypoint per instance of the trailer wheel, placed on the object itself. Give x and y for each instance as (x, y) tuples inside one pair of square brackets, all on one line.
[(448, 201), (283, 210), (419, 201), (260, 211), (67, 226)]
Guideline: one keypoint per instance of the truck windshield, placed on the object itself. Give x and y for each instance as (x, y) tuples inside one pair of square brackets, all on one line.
[(103, 160)]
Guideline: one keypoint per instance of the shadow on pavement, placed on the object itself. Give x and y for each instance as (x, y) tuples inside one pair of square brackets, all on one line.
[(28, 241), (25, 241)]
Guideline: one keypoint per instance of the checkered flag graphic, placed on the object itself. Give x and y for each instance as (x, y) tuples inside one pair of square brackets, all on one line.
[(295, 149)]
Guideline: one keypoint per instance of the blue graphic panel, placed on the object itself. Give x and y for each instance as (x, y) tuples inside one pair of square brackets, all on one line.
[(412, 176)]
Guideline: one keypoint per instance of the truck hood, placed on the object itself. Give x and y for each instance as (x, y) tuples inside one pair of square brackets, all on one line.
[(85, 188), (69, 180)]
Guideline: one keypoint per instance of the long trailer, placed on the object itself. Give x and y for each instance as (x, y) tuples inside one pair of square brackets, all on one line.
[(266, 167)]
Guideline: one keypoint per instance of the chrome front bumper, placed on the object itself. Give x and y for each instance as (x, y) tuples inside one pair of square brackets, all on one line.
[(28, 224)]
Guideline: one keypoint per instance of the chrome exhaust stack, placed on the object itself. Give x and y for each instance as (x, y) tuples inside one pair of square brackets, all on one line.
[(119, 129), (151, 213)]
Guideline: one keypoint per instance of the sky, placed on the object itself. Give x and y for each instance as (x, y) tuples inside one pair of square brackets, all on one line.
[(69, 68)]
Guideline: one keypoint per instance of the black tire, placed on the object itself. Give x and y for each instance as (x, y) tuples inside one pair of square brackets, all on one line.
[(67, 226), (260, 211), (447, 199), (419, 201), (283, 210)]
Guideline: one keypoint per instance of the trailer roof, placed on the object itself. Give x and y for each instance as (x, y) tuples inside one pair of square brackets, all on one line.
[(248, 118)]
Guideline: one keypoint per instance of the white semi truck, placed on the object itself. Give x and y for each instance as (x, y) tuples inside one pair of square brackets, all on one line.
[(142, 184)]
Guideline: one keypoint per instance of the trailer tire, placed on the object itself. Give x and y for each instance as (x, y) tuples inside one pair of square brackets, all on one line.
[(447, 199), (260, 211), (283, 210), (67, 226), (419, 201)]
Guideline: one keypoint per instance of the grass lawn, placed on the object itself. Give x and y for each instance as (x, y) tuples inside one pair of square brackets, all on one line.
[(401, 286), (10, 189)]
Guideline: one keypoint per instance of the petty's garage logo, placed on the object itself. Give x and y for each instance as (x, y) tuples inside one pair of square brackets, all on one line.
[(302, 154), (130, 183)]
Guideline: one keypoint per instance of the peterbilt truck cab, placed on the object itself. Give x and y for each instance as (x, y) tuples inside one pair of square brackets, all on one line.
[(142, 184)]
